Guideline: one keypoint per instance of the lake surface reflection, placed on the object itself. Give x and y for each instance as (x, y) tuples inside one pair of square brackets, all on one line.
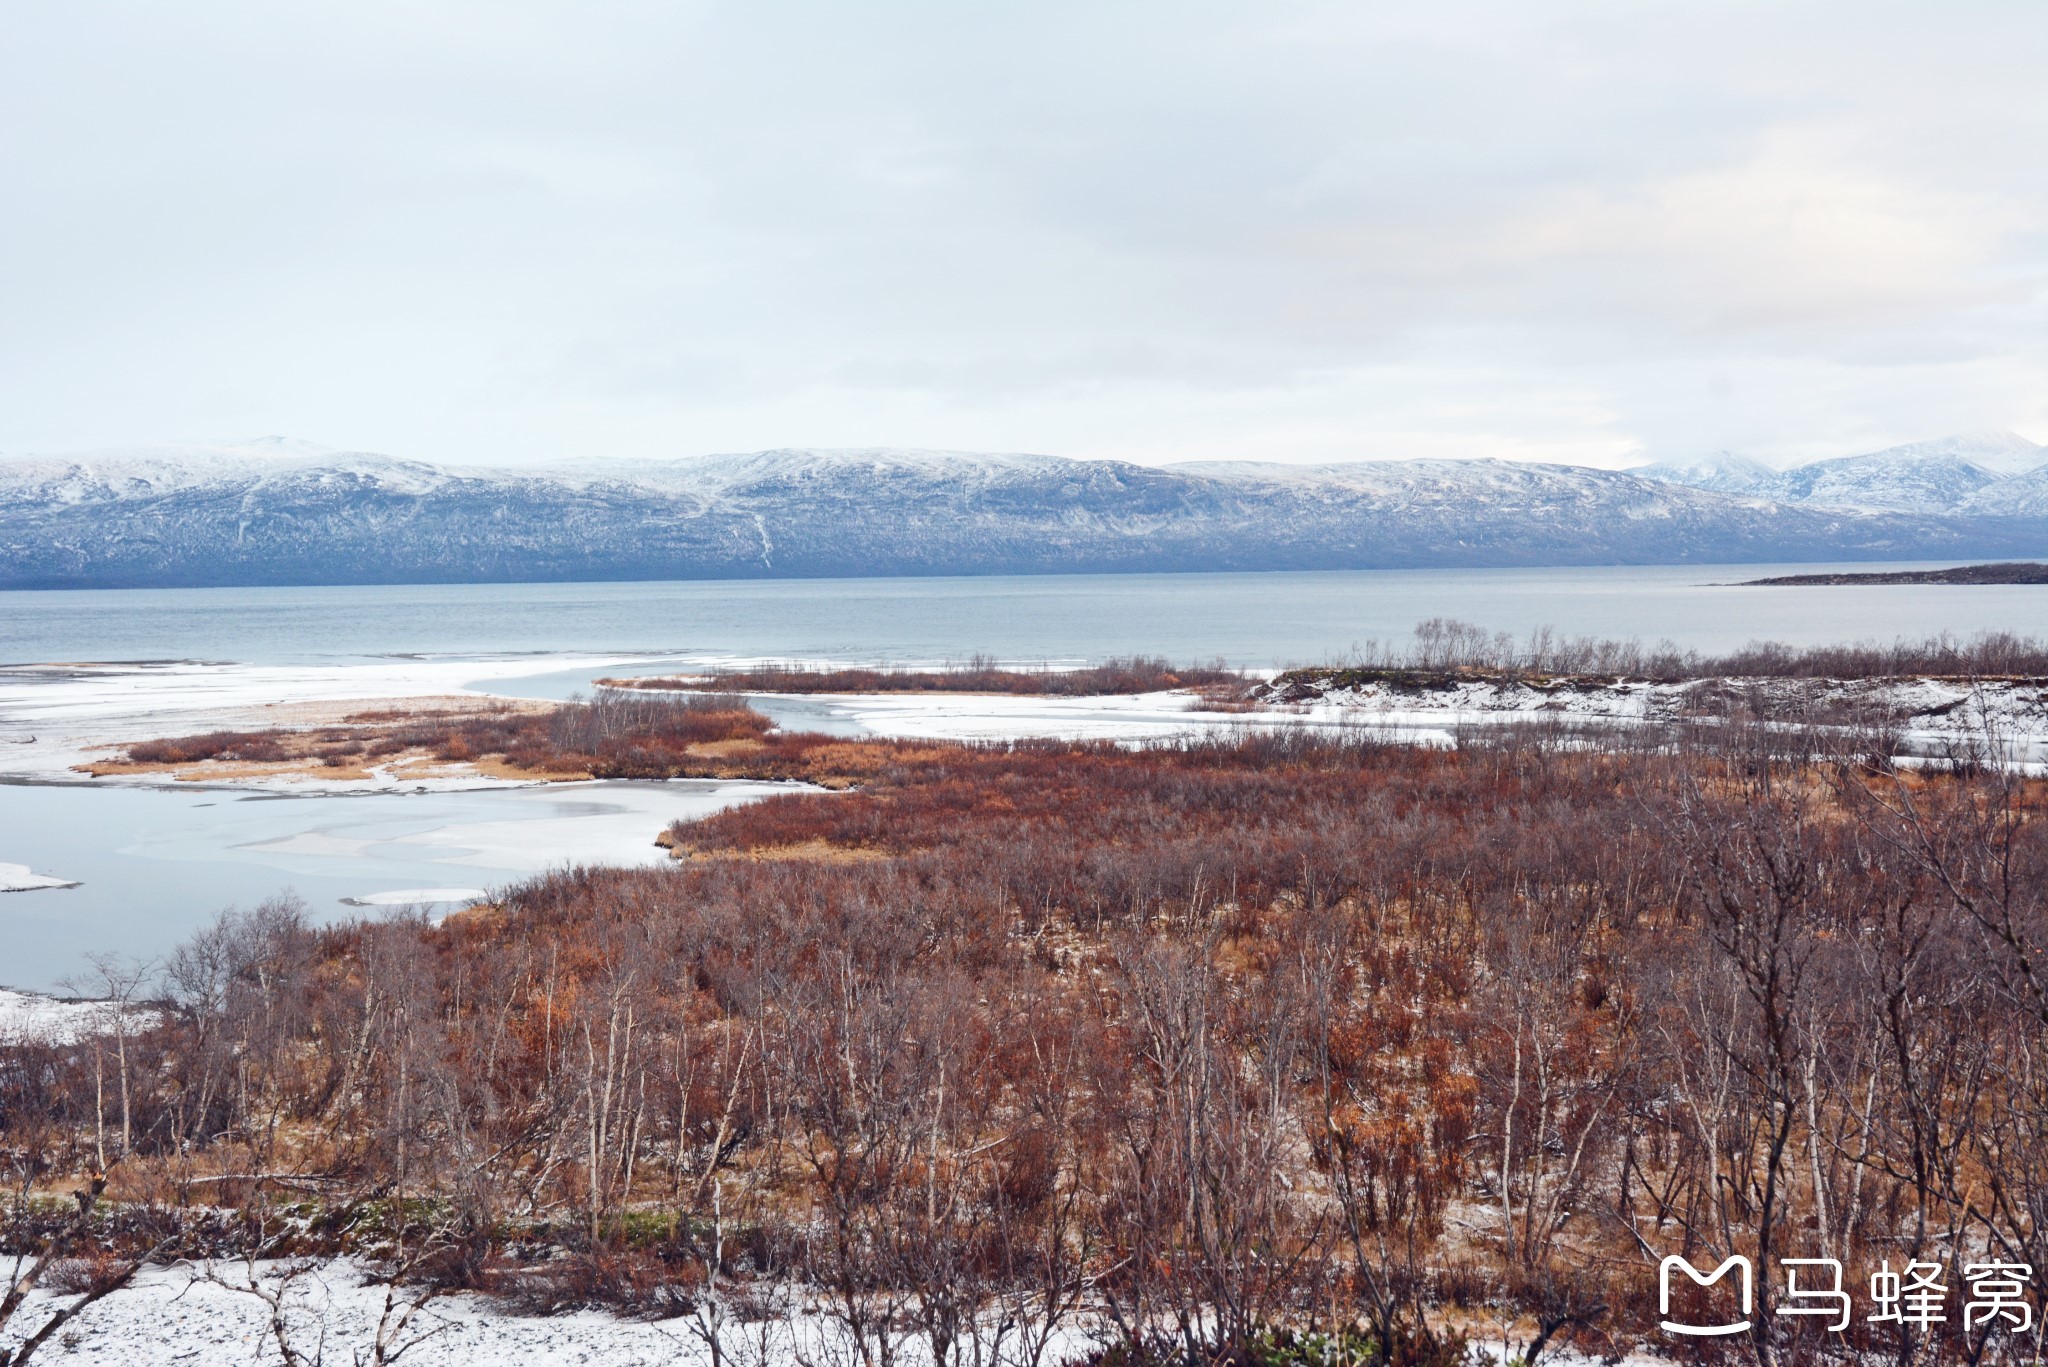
[(1250, 619)]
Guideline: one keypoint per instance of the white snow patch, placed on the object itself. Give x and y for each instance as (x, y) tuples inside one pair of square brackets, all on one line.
[(200, 1313), (178, 1314), (20, 878), (57, 1020), (1932, 716), (1003, 716), (416, 897)]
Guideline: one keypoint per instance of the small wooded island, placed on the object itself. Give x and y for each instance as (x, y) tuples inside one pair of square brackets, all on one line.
[(2006, 572)]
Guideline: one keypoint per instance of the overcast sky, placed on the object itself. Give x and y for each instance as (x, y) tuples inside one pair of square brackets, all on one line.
[(512, 232)]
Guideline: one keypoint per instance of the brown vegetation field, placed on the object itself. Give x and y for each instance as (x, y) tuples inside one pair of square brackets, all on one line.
[(612, 735), (1263, 1048)]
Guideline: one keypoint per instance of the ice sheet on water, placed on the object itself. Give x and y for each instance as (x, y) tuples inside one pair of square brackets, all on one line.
[(21, 878)]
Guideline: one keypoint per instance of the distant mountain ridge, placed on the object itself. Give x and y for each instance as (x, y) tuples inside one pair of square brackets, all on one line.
[(276, 511), (1946, 476)]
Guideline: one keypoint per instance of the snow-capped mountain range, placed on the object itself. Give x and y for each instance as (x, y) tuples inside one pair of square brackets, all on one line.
[(274, 510), (1973, 474)]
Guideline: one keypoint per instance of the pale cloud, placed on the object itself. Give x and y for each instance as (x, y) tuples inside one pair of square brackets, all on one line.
[(1157, 231), (1793, 239)]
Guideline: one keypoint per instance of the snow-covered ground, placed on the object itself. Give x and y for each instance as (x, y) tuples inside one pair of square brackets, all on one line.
[(1931, 715), (175, 1315), (1002, 716), (418, 897), (207, 1314), (61, 1020)]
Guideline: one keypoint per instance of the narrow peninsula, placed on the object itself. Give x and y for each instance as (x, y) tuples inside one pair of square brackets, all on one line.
[(2006, 572)]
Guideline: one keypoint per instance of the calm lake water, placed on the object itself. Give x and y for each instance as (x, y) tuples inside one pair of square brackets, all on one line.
[(1251, 619), (157, 863)]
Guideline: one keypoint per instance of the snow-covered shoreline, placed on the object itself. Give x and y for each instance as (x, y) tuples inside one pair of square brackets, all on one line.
[(55, 717), (1930, 716)]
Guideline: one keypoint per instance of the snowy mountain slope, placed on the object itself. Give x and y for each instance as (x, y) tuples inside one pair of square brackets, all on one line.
[(1724, 472), (1945, 476), (797, 465), (100, 476), (2001, 453), (2016, 496), (238, 517), (1445, 483), (1883, 482)]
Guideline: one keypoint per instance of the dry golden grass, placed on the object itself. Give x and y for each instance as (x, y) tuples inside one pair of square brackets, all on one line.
[(497, 766), (721, 749), (805, 851)]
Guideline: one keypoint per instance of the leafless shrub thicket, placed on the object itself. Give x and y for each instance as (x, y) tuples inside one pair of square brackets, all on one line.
[(1215, 1047), (1446, 647)]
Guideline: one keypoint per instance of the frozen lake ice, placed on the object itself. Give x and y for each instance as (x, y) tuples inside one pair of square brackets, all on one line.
[(155, 863)]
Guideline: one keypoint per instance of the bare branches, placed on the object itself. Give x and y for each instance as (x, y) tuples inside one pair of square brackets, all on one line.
[(102, 1278), (1191, 1046)]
